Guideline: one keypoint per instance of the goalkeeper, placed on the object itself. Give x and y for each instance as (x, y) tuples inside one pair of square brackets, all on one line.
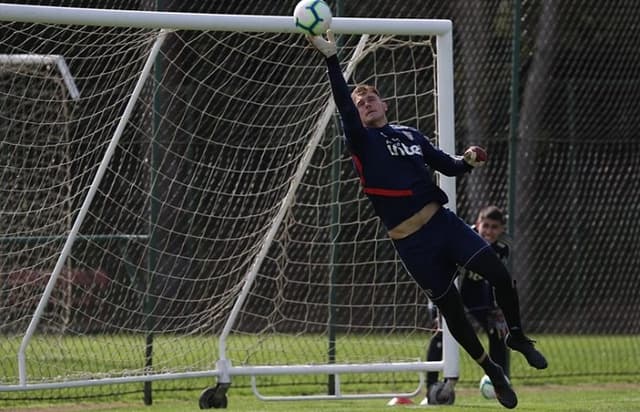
[(478, 297), (430, 239)]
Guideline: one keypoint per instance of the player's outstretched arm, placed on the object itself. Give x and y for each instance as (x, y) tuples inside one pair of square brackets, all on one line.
[(354, 129), (443, 162)]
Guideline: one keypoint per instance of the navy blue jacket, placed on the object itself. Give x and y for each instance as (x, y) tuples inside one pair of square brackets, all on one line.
[(392, 160)]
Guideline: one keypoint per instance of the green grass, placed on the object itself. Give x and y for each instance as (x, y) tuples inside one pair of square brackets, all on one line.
[(596, 398), (586, 373)]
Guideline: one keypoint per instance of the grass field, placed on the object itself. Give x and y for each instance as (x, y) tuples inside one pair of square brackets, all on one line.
[(586, 397), (586, 373)]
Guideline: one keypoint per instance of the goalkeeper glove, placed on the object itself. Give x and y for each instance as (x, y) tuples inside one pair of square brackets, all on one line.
[(497, 323), (326, 47), (475, 156)]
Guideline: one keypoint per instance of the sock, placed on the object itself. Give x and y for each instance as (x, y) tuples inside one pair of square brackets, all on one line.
[(486, 363), (452, 309), (489, 266), (508, 300)]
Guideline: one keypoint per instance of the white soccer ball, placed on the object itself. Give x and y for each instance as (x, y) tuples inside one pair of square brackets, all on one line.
[(312, 17), (486, 387)]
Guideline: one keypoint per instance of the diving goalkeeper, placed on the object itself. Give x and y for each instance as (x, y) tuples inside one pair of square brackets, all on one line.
[(431, 240)]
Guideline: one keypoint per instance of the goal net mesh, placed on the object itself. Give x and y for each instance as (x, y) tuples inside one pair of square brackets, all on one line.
[(200, 172)]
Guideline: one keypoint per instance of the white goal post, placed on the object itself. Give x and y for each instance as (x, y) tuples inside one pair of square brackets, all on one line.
[(215, 192), (44, 59)]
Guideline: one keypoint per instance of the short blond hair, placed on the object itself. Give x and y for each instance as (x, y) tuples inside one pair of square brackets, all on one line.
[(363, 89)]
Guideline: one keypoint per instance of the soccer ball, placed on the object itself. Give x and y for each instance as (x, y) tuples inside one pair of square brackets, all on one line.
[(312, 17), (486, 387)]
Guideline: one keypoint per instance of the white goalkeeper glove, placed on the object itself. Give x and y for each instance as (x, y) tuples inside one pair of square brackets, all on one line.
[(496, 322), (326, 47), (475, 156)]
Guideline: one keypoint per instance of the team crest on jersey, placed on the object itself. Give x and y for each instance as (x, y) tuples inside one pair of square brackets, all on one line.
[(405, 130), (408, 134)]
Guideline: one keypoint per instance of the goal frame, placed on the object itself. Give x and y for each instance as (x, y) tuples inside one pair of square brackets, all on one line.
[(45, 59), (169, 21)]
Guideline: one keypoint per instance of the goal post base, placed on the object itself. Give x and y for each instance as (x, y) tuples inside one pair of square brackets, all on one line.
[(338, 393), (214, 397)]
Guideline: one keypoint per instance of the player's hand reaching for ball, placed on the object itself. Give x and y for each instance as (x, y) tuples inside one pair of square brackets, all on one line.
[(475, 156), (326, 47)]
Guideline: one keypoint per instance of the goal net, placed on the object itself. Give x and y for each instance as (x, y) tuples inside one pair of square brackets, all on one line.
[(191, 211)]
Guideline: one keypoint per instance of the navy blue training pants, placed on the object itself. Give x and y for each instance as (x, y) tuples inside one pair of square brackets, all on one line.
[(433, 253)]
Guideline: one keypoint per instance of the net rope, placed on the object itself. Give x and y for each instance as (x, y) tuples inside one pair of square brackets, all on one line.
[(195, 183)]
